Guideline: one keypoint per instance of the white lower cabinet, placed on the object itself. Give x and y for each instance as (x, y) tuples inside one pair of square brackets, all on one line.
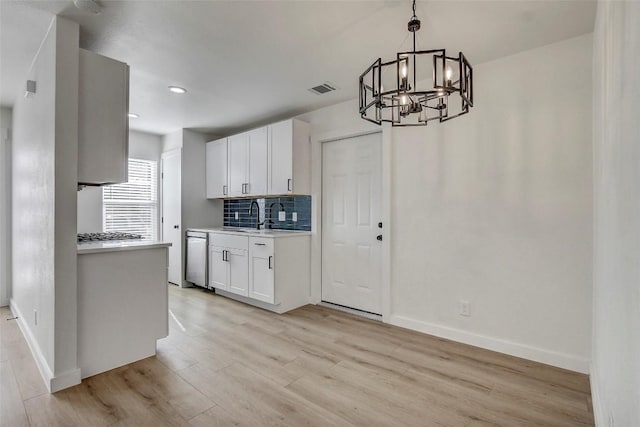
[(261, 270), (217, 268), (228, 263), (271, 272)]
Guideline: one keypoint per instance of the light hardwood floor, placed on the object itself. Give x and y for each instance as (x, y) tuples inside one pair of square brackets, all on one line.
[(226, 363)]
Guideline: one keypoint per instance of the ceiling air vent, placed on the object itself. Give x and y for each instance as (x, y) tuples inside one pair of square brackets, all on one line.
[(323, 88)]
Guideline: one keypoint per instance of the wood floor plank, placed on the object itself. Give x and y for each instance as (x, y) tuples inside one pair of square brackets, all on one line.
[(218, 417), (225, 363), (28, 377), (254, 399), (12, 411), (50, 410)]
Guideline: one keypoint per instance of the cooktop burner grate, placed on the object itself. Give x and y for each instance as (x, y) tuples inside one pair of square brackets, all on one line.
[(101, 237)]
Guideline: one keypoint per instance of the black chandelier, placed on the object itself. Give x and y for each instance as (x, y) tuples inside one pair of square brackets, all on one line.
[(416, 87)]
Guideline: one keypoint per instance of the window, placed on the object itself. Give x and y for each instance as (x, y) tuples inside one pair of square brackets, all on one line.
[(133, 207)]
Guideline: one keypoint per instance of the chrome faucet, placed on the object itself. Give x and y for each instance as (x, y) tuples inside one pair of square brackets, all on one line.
[(270, 223), (258, 223)]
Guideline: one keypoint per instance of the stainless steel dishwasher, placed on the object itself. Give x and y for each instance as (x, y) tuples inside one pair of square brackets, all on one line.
[(197, 265)]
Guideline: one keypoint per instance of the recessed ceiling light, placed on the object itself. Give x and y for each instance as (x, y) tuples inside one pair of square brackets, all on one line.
[(177, 89), (133, 116), (89, 6)]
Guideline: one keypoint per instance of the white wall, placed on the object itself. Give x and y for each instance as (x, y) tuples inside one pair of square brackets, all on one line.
[(494, 207), (142, 145), (90, 210), (196, 209), (44, 178), (5, 204), (615, 376)]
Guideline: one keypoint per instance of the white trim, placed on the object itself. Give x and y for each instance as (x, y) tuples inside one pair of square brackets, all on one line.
[(385, 212), (387, 163), (315, 293), (41, 362), (560, 360), (596, 402), (53, 383), (65, 380), (365, 314)]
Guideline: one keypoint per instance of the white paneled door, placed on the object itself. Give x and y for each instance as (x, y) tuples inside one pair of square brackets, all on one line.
[(172, 211), (351, 213)]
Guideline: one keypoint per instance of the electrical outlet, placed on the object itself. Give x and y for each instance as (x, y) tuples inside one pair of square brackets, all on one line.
[(294, 217), (282, 216), (465, 308), (236, 215)]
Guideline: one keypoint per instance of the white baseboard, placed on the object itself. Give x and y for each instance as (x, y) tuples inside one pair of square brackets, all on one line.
[(598, 412), (560, 360), (65, 380), (53, 383)]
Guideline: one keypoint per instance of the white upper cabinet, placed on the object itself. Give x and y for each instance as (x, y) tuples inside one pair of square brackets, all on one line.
[(271, 160), (217, 186), (248, 163), (289, 158), (103, 122), (238, 155), (257, 168)]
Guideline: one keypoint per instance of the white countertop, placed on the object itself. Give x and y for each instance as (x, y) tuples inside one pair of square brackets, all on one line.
[(238, 231), (119, 245)]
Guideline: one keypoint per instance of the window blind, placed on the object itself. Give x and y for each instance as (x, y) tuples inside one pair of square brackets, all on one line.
[(133, 207)]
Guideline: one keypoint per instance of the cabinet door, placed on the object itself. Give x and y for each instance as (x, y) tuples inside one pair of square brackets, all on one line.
[(238, 271), (217, 268), (103, 125), (238, 160), (281, 158), (217, 169), (258, 150), (261, 270)]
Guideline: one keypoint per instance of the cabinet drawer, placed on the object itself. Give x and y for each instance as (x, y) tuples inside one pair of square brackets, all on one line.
[(261, 246), (229, 241)]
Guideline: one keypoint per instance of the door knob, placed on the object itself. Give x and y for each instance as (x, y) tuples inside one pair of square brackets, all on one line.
[(176, 226), (379, 237)]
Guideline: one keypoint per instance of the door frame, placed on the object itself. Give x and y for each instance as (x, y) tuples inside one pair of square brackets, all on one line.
[(183, 283), (317, 142)]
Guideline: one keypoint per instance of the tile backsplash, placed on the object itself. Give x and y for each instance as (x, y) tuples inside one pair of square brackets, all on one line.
[(300, 205)]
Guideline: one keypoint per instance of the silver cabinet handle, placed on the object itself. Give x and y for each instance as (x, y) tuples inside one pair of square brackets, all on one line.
[(260, 244), (270, 266), (224, 190), (289, 184)]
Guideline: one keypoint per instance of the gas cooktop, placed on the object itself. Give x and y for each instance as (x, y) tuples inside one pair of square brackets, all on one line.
[(101, 237)]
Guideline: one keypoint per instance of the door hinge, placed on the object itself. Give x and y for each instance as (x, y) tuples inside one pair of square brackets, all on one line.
[(162, 220)]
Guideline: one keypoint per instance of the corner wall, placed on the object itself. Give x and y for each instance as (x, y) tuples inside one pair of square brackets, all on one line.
[(44, 179), (615, 377), (5, 204), (494, 207)]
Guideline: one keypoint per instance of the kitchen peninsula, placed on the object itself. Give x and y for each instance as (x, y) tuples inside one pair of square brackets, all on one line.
[(122, 302)]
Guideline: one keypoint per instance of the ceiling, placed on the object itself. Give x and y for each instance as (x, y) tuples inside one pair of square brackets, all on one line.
[(246, 63)]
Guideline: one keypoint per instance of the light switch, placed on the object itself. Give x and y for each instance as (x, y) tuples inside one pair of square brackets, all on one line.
[(294, 217), (282, 216)]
